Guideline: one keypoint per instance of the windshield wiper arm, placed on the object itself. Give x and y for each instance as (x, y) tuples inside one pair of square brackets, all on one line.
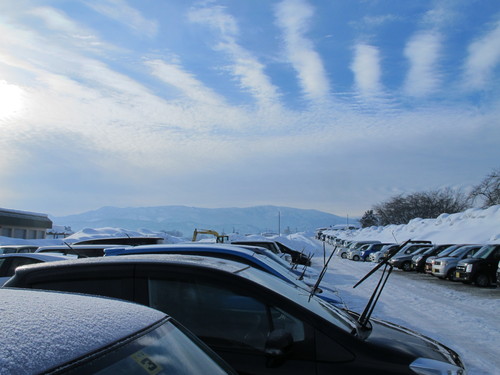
[(321, 275), (370, 306)]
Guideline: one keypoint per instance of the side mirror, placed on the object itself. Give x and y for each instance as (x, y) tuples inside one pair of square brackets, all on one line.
[(278, 344)]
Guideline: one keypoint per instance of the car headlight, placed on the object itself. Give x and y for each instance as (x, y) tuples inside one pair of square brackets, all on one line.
[(426, 366), (468, 269)]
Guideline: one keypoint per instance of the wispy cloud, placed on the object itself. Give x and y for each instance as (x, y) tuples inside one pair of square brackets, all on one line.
[(120, 11), (247, 69), (294, 18), (173, 74), (423, 52), (483, 57), (366, 69)]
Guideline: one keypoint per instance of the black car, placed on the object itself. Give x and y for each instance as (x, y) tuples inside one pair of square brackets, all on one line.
[(256, 322), (481, 267)]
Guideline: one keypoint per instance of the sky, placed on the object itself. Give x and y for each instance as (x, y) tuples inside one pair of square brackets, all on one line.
[(330, 105)]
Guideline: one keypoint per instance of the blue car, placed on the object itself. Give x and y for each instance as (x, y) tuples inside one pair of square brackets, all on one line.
[(253, 256)]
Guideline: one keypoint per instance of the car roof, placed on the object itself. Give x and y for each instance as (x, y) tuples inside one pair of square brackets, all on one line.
[(252, 241), (39, 256), (254, 256), (257, 277), (42, 330)]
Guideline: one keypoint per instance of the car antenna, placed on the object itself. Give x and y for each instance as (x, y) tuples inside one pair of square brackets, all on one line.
[(370, 306), (321, 275), (67, 244)]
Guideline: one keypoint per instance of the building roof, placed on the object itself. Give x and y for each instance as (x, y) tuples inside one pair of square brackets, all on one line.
[(24, 219)]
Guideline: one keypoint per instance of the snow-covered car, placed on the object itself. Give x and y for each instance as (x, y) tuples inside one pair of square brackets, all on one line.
[(444, 267), (253, 256), (9, 249), (63, 333), (9, 262), (257, 322), (81, 251)]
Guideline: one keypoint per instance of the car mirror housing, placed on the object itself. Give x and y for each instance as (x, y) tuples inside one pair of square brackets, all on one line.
[(278, 344)]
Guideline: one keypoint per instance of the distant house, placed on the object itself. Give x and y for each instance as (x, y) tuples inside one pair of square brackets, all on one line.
[(22, 224)]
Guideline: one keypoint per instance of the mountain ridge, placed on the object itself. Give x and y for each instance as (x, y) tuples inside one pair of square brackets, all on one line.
[(185, 219)]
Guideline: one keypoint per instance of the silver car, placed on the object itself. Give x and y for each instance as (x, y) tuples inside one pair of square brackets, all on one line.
[(444, 267)]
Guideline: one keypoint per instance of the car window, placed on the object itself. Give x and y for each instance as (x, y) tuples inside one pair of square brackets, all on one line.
[(220, 315), (17, 262), (165, 350)]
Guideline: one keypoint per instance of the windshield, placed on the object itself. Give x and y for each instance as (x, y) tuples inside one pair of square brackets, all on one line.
[(164, 350), (447, 251), (484, 252), (459, 251)]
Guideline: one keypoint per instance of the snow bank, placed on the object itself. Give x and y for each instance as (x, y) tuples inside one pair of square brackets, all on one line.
[(472, 226)]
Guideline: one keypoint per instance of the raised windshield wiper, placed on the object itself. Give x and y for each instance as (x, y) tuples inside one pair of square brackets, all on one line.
[(321, 275), (367, 312)]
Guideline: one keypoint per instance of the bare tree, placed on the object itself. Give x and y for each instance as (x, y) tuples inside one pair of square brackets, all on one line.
[(369, 219), (430, 204), (488, 191)]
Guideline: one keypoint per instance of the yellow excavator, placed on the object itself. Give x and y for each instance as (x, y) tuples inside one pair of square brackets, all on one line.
[(219, 238)]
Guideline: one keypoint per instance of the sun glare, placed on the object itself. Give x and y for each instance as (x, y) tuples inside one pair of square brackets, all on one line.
[(11, 99)]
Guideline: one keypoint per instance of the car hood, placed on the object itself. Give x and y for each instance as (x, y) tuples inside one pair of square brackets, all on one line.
[(470, 261), (393, 336)]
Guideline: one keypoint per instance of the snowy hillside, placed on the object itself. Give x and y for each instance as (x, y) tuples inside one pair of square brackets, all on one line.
[(185, 219)]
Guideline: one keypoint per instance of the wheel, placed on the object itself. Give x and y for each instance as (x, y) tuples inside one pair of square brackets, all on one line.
[(482, 280), (406, 266), (355, 257), (343, 255)]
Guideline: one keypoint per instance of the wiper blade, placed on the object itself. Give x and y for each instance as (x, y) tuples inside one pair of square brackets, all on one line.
[(321, 275), (370, 306)]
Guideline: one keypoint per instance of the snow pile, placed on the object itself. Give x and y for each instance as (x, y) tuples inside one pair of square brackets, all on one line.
[(472, 226)]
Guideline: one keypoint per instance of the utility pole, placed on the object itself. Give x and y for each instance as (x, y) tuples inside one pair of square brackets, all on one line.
[(279, 223)]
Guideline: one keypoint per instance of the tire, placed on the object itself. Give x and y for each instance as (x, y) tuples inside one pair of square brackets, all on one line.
[(451, 275), (482, 280), (343, 255), (355, 257), (406, 266)]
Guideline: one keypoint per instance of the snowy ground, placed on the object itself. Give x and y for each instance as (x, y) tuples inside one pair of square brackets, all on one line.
[(460, 316)]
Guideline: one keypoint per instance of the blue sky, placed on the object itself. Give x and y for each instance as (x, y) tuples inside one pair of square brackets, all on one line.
[(331, 105)]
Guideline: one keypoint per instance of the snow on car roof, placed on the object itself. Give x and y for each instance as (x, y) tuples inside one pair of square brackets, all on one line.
[(46, 257), (41, 330)]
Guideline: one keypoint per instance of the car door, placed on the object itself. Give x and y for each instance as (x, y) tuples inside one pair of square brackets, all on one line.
[(232, 318)]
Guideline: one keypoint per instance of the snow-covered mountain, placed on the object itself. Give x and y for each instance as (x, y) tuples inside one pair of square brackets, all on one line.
[(185, 219)]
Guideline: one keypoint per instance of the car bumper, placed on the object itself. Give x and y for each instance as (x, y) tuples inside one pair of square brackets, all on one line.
[(462, 276)]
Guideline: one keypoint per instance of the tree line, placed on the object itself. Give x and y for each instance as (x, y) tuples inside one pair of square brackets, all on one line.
[(402, 208)]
